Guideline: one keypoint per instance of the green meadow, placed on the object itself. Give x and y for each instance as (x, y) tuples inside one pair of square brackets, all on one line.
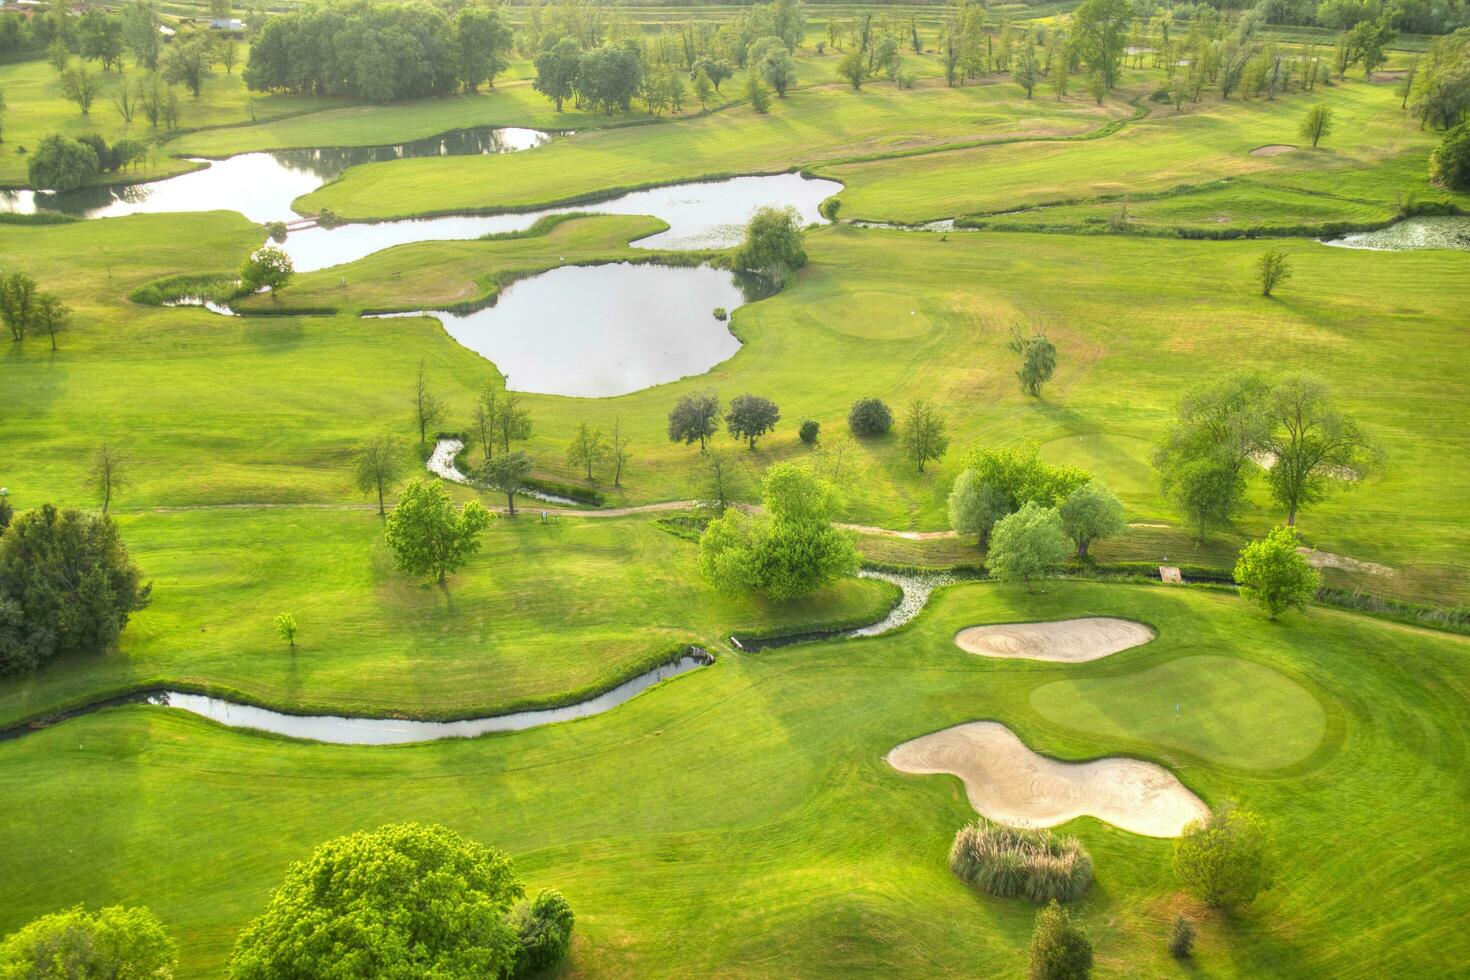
[(741, 819)]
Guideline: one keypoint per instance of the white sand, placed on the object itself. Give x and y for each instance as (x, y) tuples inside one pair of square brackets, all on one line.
[(1008, 782), (1272, 150), (1068, 641)]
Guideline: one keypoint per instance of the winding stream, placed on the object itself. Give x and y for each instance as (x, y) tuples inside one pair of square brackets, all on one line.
[(441, 464), (342, 730)]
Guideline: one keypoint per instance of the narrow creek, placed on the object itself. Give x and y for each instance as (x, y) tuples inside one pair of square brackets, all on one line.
[(352, 730)]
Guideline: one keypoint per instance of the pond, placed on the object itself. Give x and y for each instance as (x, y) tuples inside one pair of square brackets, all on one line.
[(599, 330), (261, 186), (1411, 234), (702, 214)]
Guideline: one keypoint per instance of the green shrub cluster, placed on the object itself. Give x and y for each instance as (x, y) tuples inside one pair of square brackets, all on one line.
[(1017, 862)]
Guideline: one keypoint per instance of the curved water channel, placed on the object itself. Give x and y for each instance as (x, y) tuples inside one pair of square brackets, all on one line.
[(351, 730), (701, 214)]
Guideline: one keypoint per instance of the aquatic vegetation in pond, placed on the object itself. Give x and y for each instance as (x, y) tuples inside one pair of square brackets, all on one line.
[(1451, 231)]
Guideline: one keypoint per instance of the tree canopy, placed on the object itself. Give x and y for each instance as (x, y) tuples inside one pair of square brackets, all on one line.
[(1027, 544), (789, 551), (772, 242), (405, 900), (67, 584), (427, 536), (1225, 859), (750, 417), (1091, 512), (1274, 574), (113, 942), (694, 418)]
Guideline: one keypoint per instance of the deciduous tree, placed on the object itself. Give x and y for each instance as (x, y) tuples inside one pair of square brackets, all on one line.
[(113, 942), (427, 536), (1316, 446), (108, 474), (975, 506), (1091, 512), (923, 435), (1038, 361), (506, 473), (587, 448), (1317, 124), (750, 417), (428, 410), (1027, 544), (1225, 859), (694, 418), (1274, 574), (268, 267), (377, 466), (1060, 950)]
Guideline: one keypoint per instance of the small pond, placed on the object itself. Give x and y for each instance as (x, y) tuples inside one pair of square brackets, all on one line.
[(1411, 234), (703, 214), (261, 186), (599, 330)]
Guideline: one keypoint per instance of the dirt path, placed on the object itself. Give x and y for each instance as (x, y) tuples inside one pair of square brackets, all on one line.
[(1006, 781)]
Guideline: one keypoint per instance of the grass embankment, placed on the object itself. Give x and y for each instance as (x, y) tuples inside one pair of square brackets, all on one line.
[(810, 124), (759, 785), (222, 410), (1375, 158)]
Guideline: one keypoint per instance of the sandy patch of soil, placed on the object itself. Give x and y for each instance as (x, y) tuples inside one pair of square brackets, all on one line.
[(1068, 641), (1326, 559), (1008, 782), (1273, 150)]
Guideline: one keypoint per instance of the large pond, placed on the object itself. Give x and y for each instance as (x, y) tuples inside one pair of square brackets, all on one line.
[(1411, 234), (600, 330), (703, 214), (261, 186)]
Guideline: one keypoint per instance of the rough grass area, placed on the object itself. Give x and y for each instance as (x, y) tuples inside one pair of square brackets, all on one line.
[(1018, 862)]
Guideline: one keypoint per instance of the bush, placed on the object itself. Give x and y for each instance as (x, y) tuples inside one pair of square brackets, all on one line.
[(721, 314), (1225, 860), (543, 932), (870, 417), (113, 942), (1275, 575), (1161, 95), (1059, 949), (67, 585), (61, 163), (1015, 862), (1449, 164), (1181, 939), (809, 432)]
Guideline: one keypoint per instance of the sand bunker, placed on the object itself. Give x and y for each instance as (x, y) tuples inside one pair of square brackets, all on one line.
[(1006, 781), (1273, 150), (1067, 641), (1326, 559)]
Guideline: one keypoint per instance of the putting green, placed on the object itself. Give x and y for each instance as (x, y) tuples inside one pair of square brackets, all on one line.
[(1231, 712)]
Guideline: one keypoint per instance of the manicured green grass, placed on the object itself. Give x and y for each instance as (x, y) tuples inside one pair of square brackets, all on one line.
[(809, 125), (892, 314), (1374, 143), (545, 614), (742, 820), (1231, 712), (36, 108)]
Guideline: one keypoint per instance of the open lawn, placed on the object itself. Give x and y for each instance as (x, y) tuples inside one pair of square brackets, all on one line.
[(741, 819)]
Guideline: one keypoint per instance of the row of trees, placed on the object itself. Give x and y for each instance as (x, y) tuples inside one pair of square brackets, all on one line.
[(379, 52), (26, 309), (61, 163)]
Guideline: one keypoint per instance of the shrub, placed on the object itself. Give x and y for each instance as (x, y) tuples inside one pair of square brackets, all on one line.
[(721, 314), (1449, 164), (1027, 544), (1181, 939), (1225, 859), (1275, 575), (1059, 949), (1016, 862), (112, 942), (67, 585), (543, 932), (809, 432), (870, 417)]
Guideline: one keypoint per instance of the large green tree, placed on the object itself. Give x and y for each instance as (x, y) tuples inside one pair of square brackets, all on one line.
[(67, 585), (556, 71), (1091, 512), (772, 242), (484, 42), (1273, 573), (1099, 34), (1315, 446), (113, 943), (922, 434), (750, 417), (789, 551), (1206, 454), (1027, 544), (975, 505), (427, 535), (60, 163), (377, 466), (694, 418), (405, 900), (506, 473)]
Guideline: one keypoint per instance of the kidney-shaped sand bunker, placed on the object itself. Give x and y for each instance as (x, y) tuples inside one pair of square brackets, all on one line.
[(1008, 782), (1068, 641)]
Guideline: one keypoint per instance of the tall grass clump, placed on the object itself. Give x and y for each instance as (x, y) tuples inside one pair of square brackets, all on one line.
[(1016, 862)]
